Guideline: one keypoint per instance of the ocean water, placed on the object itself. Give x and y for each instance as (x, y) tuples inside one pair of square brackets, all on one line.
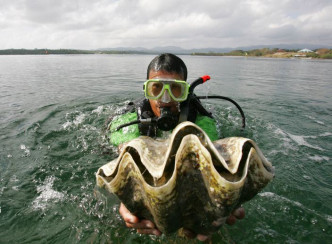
[(52, 141)]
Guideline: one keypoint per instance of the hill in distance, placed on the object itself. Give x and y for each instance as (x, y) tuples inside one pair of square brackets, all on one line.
[(179, 50)]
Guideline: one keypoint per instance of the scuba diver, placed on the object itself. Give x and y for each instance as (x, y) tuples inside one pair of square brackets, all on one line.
[(169, 100)]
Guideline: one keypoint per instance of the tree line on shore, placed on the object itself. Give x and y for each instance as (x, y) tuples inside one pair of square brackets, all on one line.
[(263, 52), (58, 51), (274, 52)]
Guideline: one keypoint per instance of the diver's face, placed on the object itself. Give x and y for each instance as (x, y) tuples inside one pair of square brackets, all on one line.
[(157, 104)]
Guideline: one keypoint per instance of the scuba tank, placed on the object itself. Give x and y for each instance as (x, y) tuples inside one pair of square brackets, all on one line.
[(168, 121)]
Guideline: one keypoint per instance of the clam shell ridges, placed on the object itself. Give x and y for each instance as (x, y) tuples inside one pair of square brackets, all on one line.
[(186, 180)]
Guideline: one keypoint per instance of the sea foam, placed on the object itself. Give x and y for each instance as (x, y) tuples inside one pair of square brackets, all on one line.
[(47, 195)]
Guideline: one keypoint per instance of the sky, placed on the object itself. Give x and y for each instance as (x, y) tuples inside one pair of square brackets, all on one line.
[(93, 24)]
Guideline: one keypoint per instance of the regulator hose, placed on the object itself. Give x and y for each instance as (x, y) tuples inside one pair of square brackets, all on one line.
[(127, 124), (230, 100)]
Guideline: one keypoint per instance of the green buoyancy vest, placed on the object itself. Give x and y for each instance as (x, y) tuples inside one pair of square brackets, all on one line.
[(131, 132)]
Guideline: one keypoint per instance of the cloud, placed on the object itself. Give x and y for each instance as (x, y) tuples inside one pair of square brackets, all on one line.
[(147, 23)]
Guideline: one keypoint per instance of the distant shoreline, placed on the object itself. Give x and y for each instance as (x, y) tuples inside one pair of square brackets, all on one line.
[(322, 53), (61, 51)]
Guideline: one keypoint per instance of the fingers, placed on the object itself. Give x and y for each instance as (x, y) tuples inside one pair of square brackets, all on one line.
[(231, 220), (202, 237), (143, 224), (191, 235), (238, 213), (149, 231), (127, 216), (148, 227), (142, 227)]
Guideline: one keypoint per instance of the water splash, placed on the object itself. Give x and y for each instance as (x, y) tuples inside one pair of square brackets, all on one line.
[(300, 140), (47, 195), (318, 158), (280, 199), (315, 120), (98, 110), (26, 150)]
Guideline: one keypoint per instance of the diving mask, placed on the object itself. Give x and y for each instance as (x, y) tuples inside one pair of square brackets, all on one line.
[(177, 89)]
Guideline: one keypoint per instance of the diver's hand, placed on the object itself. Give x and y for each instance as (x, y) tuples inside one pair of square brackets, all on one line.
[(142, 226), (237, 214), (191, 235)]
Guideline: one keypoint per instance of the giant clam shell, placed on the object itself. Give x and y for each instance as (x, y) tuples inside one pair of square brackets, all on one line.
[(186, 180)]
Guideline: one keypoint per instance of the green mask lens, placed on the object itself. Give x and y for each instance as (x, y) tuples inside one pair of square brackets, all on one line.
[(177, 89)]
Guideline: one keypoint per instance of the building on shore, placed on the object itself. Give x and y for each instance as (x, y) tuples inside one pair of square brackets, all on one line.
[(305, 50)]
